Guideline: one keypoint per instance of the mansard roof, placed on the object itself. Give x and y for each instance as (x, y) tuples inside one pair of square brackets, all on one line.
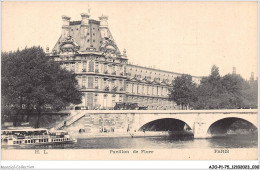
[(86, 37)]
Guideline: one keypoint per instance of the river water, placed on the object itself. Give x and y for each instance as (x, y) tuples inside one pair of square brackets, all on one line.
[(230, 141)]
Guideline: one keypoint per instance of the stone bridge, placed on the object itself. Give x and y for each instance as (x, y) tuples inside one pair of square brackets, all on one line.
[(198, 122)]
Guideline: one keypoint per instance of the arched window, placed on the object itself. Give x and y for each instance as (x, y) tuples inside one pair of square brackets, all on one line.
[(91, 66)]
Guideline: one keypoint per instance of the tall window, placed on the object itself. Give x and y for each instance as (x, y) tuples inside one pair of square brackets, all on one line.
[(112, 83), (96, 82), (91, 66), (113, 100), (120, 84), (105, 82), (133, 88), (90, 100), (83, 82), (105, 68), (127, 87), (84, 67), (90, 82), (96, 99), (96, 66)]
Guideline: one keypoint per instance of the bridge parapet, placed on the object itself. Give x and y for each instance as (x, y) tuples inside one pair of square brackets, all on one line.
[(199, 121), (230, 111)]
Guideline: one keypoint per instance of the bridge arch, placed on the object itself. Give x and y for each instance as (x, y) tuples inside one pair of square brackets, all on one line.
[(165, 123), (221, 125)]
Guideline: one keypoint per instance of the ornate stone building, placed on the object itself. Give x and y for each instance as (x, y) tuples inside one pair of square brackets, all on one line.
[(88, 49)]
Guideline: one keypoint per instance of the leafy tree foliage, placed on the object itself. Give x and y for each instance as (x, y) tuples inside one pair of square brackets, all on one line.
[(215, 92), (183, 90), (31, 78), (250, 94)]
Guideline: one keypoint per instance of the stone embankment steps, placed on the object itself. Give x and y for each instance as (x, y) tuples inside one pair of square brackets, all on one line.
[(69, 120)]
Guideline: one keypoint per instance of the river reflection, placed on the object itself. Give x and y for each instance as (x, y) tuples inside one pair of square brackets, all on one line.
[(230, 141)]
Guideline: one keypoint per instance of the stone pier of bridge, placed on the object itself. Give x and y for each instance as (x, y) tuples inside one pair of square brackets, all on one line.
[(122, 121)]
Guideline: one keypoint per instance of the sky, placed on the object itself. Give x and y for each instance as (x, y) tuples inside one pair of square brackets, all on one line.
[(183, 37)]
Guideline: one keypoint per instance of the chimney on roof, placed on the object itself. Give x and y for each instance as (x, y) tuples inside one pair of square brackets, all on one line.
[(234, 70), (103, 25), (103, 21), (65, 26), (84, 19)]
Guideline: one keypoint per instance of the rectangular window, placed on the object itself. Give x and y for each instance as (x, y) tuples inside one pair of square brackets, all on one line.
[(95, 98), (113, 83), (91, 66), (90, 82), (84, 66), (84, 82), (96, 82), (90, 101), (96, 68), (113, 100), (105, 69)]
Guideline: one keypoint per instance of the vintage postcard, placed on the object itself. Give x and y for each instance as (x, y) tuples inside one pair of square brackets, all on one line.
[(129, 81)]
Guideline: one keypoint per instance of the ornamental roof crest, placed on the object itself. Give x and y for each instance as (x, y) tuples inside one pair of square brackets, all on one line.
[(108, 47), (68, 45)]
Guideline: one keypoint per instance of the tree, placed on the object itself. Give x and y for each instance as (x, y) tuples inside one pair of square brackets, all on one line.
[(250, 95), (183, 90), (209, 91), (228, 92), (31, 78)]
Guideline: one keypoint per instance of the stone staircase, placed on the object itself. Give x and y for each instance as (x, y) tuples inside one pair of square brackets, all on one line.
[(70, 120)]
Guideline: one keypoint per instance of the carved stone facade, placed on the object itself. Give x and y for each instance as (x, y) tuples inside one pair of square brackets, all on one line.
[(88, 49)]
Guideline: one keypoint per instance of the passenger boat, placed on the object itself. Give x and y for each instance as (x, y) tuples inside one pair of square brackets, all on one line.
[(32, 136)]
